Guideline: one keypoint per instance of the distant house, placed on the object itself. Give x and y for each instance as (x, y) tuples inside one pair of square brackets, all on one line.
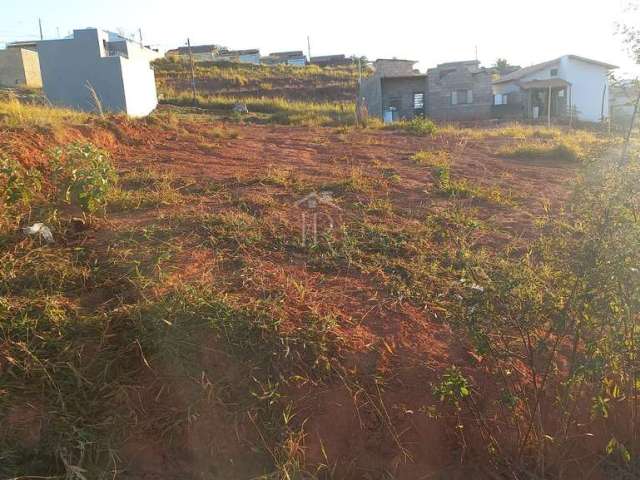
[(451, 91), (95, 63), (330, 60), (295, 58), (569, 86), (238, 56), (395, 91), (459, 91), (201, 53), (215, 53), (20, 67)]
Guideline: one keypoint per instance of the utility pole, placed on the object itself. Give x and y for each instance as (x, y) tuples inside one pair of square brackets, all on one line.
[(57, 32), (193, 75), (140, 33), (358, 99), (309, 47), (40, 25)]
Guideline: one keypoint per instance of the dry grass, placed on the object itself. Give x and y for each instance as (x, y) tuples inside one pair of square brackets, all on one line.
[(514, 130), (276, 110), (569, 152), (16, 114), (193, 310), (437, 158)]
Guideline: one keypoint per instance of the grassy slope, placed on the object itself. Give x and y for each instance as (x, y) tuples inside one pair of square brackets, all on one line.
[(282, 94), (310, 83), (189, 333)]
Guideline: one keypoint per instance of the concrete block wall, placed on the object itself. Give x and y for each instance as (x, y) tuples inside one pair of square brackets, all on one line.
[(31, 65), (19, 68), (447, 78), (395, 83), (393, 67), (371, 93), (400, 91)]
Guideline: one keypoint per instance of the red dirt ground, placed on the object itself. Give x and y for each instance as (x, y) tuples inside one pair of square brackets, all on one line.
[(362, 433)]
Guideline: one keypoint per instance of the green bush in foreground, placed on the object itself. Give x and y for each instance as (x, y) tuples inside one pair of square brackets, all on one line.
[(417, 126), (17, 183), (566, 316), (84, 174), (79, 174)]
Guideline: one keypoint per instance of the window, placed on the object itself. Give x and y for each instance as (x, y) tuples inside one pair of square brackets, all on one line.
[(394, 102), (501, 99), (554, 72), (461, 97), (418, 101)]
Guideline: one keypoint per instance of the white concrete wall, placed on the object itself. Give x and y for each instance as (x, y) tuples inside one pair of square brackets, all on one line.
[(588, 81), (139, 88), (69, 66)]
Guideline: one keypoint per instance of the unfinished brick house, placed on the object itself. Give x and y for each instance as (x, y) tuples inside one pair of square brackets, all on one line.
[(395, 91), (451, 91), (460, 91)]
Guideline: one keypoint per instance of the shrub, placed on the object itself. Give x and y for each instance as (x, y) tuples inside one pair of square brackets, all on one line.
[(84, 175), (17, 183), (563, 150), (566, 315), (417, 126), (453, 387)]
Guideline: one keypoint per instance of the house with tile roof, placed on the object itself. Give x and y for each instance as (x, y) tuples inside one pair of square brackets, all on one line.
[(569, 87)]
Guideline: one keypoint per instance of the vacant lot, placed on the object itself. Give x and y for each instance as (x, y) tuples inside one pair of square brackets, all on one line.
[(309, 83), (201, 322)]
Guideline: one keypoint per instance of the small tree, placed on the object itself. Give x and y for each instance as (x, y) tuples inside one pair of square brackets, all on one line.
[(631, 37), (501, 65)]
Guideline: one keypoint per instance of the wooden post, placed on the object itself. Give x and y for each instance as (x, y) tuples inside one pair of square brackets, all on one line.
[(193, 75), (570, 106), (358, 104), (549, 109)]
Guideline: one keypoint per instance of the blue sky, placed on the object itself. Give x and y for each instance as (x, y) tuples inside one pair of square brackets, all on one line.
[(430, 32)]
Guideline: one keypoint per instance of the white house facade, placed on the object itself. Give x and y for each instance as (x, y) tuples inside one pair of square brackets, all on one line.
[(569, 86), (95, 63)]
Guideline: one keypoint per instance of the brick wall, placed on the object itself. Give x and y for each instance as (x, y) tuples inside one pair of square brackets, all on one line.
[(447, 78), (393, 68), (11, 69), (398, 92), (371, 93)]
